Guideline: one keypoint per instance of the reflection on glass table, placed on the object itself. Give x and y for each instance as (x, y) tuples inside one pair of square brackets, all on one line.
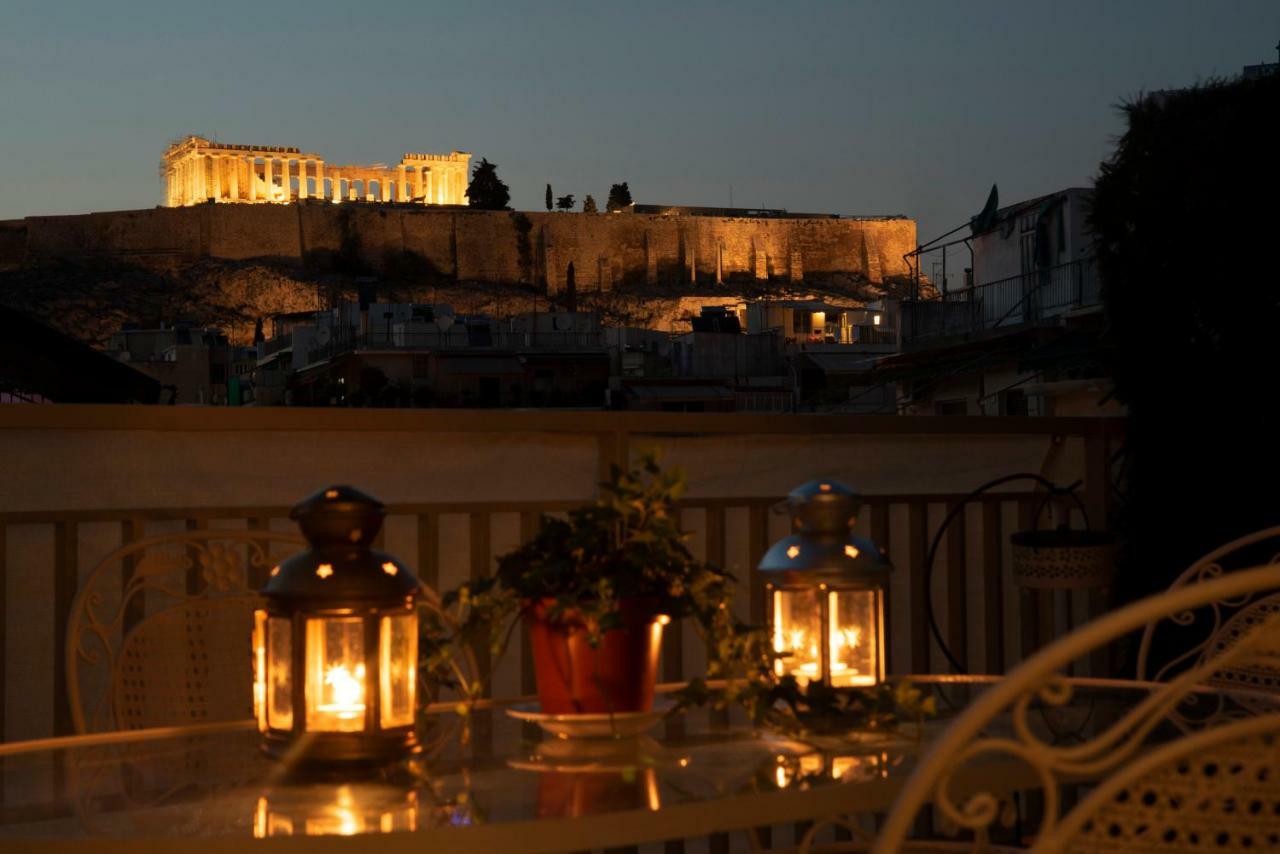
[(512, 789)]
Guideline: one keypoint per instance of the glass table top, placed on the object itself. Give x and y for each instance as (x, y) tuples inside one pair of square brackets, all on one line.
[(701, 770)]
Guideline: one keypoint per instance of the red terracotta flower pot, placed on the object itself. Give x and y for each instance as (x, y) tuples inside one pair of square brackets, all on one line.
[(617, 675)]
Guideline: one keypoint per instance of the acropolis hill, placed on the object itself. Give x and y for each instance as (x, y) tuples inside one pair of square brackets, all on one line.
[(236, 256)]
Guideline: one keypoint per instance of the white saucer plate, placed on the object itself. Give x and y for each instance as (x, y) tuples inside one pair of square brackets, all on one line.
[(605, 725)]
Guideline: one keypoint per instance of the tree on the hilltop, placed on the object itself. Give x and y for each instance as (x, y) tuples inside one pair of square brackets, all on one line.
[(619, 197), (589, 204), (565, 203), (549, 197), (486, 190)]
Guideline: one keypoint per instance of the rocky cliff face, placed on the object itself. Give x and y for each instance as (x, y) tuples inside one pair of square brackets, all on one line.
[(92, 298)]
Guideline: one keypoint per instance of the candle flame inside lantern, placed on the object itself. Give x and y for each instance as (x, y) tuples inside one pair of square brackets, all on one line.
[(346, 692)]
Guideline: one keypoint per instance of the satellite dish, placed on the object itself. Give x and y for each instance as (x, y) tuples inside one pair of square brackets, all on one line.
[(323, 334)]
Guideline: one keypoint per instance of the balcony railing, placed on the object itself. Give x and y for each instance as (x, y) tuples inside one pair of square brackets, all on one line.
[(1034, 297), (463, 487), (347, 341)]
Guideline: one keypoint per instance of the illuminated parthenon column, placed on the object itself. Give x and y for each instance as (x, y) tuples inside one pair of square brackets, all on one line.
[(202, 176), (302, 177), (217, 179)]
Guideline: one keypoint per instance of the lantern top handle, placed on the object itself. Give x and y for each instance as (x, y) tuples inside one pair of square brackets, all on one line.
[(339, 515), (823, 506)]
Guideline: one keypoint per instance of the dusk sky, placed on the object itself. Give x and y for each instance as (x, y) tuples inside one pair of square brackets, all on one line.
[(854, 108)]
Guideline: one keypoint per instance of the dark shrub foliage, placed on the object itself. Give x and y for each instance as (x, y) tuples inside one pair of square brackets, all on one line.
[(1187, 214)]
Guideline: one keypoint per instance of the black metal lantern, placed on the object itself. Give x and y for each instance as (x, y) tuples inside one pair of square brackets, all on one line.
[(826, 591), (336, 645)]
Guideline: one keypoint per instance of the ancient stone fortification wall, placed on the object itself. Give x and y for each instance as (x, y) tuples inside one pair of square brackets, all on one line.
[(606, 250)]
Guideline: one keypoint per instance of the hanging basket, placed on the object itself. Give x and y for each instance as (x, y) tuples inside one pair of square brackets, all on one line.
[(1063, 559)]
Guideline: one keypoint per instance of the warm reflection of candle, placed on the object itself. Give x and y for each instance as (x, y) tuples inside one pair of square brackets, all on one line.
[(346, 692)]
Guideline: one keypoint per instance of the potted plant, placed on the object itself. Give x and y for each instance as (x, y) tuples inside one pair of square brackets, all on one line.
[(594, 590)]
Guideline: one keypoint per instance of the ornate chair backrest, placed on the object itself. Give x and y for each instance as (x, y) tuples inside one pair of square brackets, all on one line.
[(1220, 782), (1206, 632), (159, 635)]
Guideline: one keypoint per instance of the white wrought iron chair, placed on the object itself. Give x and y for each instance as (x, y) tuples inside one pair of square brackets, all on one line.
[(1213, 787), (1205, 633), (159, 635)]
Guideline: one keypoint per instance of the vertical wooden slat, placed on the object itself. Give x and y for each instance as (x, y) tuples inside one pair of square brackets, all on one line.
[(993, 587), (918, 535), (757, 543), (1047, 604), (528, 681), (482, 729), (879, 532), (880, 524), (1100, 660), (1046, 630), (428, 549), (66, 579), (479, 540), (1029, 602), (957, 588), (714, 554)]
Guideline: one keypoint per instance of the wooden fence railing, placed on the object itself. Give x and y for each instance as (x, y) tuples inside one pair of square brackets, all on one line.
[(45, 554), (988, 623)]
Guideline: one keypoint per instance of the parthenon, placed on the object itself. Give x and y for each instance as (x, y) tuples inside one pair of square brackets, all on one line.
[(197, 170)]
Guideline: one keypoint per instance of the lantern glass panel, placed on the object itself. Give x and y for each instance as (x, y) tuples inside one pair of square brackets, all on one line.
[(260, 669), (797, 630), (853, 637), (398, 660), (279, 688), (335, 674)]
